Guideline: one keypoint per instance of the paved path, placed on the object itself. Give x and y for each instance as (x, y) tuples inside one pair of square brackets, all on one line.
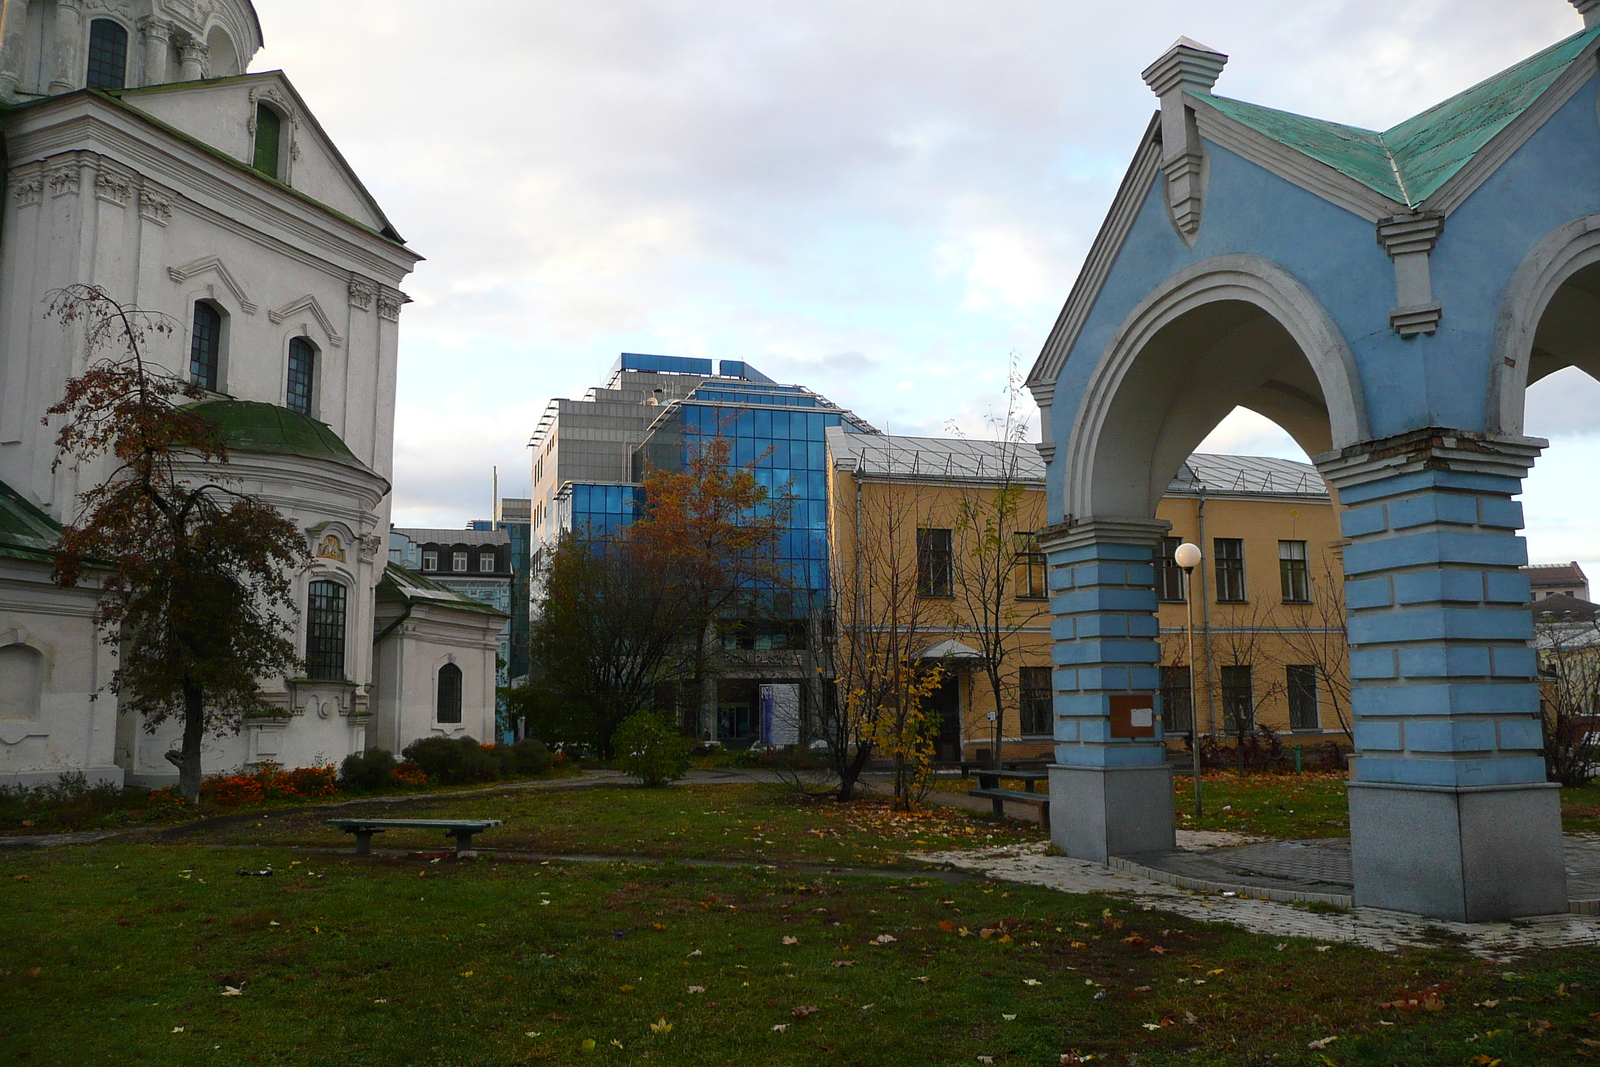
[(1383, 930)]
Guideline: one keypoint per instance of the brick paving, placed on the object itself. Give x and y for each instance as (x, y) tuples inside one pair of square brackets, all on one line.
[(1370, 927)]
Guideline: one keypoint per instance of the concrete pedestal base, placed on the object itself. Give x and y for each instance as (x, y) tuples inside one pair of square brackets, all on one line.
[(1482, 854), (1099, 812)]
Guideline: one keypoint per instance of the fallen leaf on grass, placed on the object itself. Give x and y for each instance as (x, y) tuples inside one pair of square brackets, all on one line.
[(661, 1026), (697, 989), (1190, 1018), (1324, 948), (1007, 1018), (1322, 1042), (844, 963), (1217, 971), (588, 1044), (232, 991), (381, 1000), (985, 1059), (1142, 988), (1079, 944), (803, 1010), (1151, 1026), (1485, 1061), (885, 939), (1031, 981), (696, 952), (921, 978), (530, 1033), (1136, 941), (1158, 950), (791, 940), (946, 924), (780, 1028), (177, 1029), (1486, 1004)]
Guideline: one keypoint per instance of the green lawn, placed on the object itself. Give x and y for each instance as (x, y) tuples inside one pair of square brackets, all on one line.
[(748, 822), (129, 954)]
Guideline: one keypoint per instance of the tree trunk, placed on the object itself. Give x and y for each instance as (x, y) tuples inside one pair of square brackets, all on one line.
[(188, 759)]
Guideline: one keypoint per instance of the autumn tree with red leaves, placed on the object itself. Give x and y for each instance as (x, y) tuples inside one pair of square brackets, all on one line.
[(198, 576)]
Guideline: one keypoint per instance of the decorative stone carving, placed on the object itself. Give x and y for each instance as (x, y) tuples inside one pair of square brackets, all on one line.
[(1187, 66), (371, 545), (390, 301), (65, 180), (1409, 239), (312, 304), (28, 190), (154, 207), (1590, 10), (361, 293), (113, 188)]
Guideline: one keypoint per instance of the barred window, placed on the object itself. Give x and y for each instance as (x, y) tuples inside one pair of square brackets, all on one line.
[(935, 563), (325, 616), (1169, 576), (302, 365), (1292, 570), (449, 705), (108, 55), (1037, 707), (1238, 699), (1302, 684), (1177, 709), (205, 346), (1030, 568), (1228, 560)]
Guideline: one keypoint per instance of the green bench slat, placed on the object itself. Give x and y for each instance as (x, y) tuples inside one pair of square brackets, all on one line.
[(1017, 795), (421, 824)]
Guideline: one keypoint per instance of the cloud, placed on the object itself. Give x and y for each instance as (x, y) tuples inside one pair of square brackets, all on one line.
[(852, 194)]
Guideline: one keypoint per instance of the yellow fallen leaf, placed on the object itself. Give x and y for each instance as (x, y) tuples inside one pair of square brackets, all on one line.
[(791, 940), (661, 1026), (232, 991), (780, 1028), (1007, 1018), (1322, 1043), (1217, 971), (530, 1033), (466, 974), (625, 989), (1031, 981), (588, 1044)]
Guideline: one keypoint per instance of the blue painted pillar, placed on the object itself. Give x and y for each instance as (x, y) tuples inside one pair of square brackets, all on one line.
[(1450, 814), (1109, 795)]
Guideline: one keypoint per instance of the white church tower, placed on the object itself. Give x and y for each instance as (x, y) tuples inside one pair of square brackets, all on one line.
[(139, 157)]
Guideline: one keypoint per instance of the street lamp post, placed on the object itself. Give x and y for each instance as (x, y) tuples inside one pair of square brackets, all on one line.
[(1188, 557)]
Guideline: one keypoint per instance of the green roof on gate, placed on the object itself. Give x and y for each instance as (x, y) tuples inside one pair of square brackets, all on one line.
[(1409, 162), (267, 429)]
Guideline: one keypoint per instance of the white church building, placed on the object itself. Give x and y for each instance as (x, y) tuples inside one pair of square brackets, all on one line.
[(139, 157)]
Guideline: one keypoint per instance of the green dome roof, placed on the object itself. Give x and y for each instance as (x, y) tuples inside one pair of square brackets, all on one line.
[(267, 429)]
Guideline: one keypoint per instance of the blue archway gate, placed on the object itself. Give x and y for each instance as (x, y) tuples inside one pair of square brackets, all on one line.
[(1385, 297)]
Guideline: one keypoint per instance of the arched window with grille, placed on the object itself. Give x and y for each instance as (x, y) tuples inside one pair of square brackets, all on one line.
[(108, 55), (205, 346), (325, 626), (302, 372), (449, 694), (269, 130)]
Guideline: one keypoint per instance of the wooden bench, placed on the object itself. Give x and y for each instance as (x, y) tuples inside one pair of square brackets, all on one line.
[(969, 766), (460, 829), (1017, 796)]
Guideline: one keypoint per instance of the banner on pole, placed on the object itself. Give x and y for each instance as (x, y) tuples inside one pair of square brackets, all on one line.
[(780, 714)]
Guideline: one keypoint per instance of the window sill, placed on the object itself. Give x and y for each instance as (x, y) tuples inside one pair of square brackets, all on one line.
[(1041, 596), (1298, 603), (1221, 601)]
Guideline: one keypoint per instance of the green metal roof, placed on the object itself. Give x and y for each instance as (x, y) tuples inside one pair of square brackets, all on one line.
[(1410, 162), (25, 531), (267, 429), (405, 586)]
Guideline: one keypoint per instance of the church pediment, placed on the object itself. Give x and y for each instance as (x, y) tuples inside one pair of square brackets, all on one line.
[(223, 115)]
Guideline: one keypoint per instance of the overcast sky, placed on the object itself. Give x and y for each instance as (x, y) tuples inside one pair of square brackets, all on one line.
[(881, 200)]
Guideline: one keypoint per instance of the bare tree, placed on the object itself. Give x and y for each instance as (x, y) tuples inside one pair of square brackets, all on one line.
[(1568, 647), (1315, 635), (1241, 642), (880, 627), (993, 525)]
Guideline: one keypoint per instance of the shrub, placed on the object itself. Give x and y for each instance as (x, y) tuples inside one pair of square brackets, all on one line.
[(529, 757), (311, 781), (369, 771), (231, 790), (409, 773), (652, 749), (453, 762)]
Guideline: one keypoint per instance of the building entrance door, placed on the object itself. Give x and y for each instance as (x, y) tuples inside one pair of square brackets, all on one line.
[(945, 703)]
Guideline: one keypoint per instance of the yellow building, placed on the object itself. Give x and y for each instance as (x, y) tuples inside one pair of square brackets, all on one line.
[(934, 561)]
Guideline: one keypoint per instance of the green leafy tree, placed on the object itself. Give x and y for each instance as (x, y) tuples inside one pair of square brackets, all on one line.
[(652, 749), (197, 590)]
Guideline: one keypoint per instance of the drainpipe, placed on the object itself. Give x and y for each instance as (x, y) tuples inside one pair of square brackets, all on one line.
[(1205, 617)]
